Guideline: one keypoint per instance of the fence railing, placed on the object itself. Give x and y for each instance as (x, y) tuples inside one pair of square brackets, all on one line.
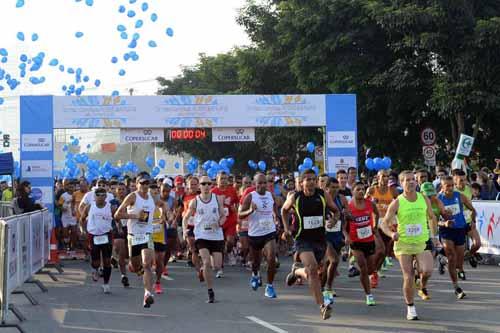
[(6, 209)]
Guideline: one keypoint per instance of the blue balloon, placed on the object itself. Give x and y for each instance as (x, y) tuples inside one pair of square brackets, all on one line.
[(4, 60), (54, 62), (162, 163), (369, 164), (230, 161), (155, 171), (132, 44), (177, 165), (378, 163), (136, 36), (308, 163), (89, 2), (122, 72), (315, 169), (3, 52), (387, 162), (114, 60), (144, 6), (61, 68), (310, 147), (34, 37), (251, 164), (20, 36), (152, 43), (131, 13), (121, 27), (122, 9), (262, 165), (75, 142), (97, 83), (150, 161), (301, 168), (170, 32), (19, 3), (139, 24), (124, 35), (154, 17), (115, 93), (65, 148), (78, 34)]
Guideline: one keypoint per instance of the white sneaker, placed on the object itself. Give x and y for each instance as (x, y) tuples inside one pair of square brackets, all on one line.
[(412, 313), (106, 288), (219, 274), (232, 260)]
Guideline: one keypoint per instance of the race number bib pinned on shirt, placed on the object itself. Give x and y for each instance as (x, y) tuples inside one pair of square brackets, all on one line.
[(100, 240), (139, 239), (455, 209), (266, 223), (336, 227), (413, 230), (313, 222), (364, 232), (209, 227)]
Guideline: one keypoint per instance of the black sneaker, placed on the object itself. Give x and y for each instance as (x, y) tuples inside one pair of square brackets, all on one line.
[(441, 264), (125, 281), (326, 311), (461, 275), (459, 293), (114, 262), (148, 300), (211, 297), (344, 257), (353, 271), (473, 261)]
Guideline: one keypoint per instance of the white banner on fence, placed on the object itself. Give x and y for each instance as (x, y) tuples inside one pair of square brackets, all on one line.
[(24, 248), (37, 249), (488, 225), (47, 228), (12, 255)]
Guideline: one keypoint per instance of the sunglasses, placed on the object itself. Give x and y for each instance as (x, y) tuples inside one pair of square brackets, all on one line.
[(205, 184), (146, 182), (100, 194)]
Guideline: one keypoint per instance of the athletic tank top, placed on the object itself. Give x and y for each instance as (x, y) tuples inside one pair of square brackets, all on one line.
[(412, 220), (361, 226), (99, 220), (337, 228), (311, 214), (206, 219), (158, 227), (261, 221), (185, 202), (467, 192), (455, 205), (382, 200), (144, 224)]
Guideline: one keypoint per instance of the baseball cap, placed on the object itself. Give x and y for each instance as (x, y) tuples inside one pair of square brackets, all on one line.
[(143, 176), (168, 181), (179, 180), (427, 189)]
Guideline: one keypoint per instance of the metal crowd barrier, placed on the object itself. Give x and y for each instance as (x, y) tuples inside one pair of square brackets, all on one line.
[(24, 251), (6, 209)]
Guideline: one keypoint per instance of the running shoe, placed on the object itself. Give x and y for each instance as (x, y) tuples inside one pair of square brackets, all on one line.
[(106, 288), (461, 275), (291, 278), (114, 262), (254, 282), (158, 288), (424, 294), (459, 293), (125, 281), (384, 267), (220, 274), (388, 261), (326, 311), (412, 313), (270, 293), (260, 281), (381, 274), (370, 300), (211, 297), (441, 263), (101, 272), (95, 275), (374, 280), (148, 300), (201, 277), (353, 271), (473, 261), (328, 296)]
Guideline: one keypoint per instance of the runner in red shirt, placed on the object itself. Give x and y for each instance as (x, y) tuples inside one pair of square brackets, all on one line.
[(230, 208)]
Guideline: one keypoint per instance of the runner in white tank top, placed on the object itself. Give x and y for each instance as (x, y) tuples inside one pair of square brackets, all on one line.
[(260, 208), (99, 226), (208, 210)]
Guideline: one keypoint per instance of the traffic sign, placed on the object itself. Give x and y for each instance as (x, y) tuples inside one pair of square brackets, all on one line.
[(429, 153), (428, 136)]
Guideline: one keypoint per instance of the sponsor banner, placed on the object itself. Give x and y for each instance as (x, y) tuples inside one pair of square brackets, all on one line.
[(142, 135), (341, 139), (488, 225), (37, 241), (232, 134), (12, 255), (36, 168), (189, 111), (42, 194), (24, 248), (335, 163), (36, 142)]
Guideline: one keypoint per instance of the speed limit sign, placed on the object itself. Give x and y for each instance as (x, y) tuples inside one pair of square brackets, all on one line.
[(428, 136)]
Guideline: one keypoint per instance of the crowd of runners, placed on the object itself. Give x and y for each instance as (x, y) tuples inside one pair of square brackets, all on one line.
[(139, 225)]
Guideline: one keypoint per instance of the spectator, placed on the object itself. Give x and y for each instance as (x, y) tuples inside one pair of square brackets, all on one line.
[(476, 191), (25, 201), (5, 192), (488, 188)]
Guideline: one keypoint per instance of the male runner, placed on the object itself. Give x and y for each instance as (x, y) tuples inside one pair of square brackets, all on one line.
[(168, 197), (208, 211), (190, 194), (99, 226), (158, 235), (260, 209), (68, 219), (453, 236), (412, 210), (120, 235), (138, 207), (359, 234), (310, 206)]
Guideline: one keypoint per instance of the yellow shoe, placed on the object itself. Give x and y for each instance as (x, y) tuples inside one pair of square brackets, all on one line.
[(424, 294)]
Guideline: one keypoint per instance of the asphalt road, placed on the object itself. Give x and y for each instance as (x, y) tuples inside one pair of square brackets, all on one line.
[(76, 304)]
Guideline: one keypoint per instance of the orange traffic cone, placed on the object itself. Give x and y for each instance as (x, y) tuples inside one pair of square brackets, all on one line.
[(54, 253)]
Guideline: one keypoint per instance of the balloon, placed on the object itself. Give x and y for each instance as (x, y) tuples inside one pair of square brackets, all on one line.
[(230, 162), (122, 9), (262, 165), (177, 165), (387, 162), (377, 161), (155, 171), (75, 142), (302, 168), (54, 62), (124, 35), (121, 28), (206, 165), (89, 2), (139, 24), (144, 6), (308, 163), (310, 147), (114, 60), (370, 165), (152, 43), (19, 3), (149, 161), (97, 83), (115, 93), (154, 17), (65, 148), (132, 44), (170, 32), (251, 164), (34, 37), (122, 72), (131, 13), (3, 52), (315, 169), (78, 34), (212, 173), (162, 163), (20, 36)]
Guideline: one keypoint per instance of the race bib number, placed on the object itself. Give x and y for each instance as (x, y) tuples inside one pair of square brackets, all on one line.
[(100, 240), (313, 222), (266, 223), (157, 228), (413, 230), (336, 227), (364, 232), (139, 239), (455, 209), (209, 227)]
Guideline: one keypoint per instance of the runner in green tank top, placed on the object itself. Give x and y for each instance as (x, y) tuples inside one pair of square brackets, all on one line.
[(460, 182), (412, 210)]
